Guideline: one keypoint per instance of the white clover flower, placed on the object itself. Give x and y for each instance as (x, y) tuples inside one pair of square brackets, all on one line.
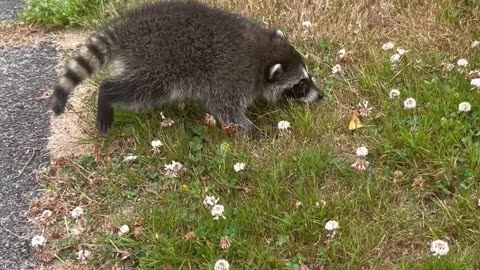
[(77, 212), (475, 82), (306, 24), (337, 68), (77, 230), (395, 58), (221, 265), (320, 203), (331, 225), (462, 62), (364, 109), (478, 204), (46, 214), (388, 46), (240, 166), (361, 164), (439, 248), (283, 125), (449, 67), (123, 229), (38, 240), (401, 51), (217, 211), (177, 165), (210, 201), (394, 93), (169, 167), (464, 107), (172, 169), (475, 43), (224, 242), (410, 103), (341, 53), (129, 157), (474, 73), (156, 144), (362, 151), (167, 122), (298, 204), (82, 255), (170, 174)]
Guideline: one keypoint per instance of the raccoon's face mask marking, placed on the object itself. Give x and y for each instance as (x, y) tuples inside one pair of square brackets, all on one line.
[(293, 84), (305, 91)]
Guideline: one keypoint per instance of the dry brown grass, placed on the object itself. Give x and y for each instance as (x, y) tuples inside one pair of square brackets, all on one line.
[(354, 24), (361, 27)]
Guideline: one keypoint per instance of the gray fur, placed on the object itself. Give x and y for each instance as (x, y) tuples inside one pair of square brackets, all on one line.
[(183, 50)]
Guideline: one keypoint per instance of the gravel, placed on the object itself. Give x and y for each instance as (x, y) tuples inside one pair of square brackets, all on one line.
[(25, 74), (9, 8)]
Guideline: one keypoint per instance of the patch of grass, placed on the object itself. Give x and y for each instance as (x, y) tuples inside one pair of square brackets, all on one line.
[(60, 13), (275, 215)]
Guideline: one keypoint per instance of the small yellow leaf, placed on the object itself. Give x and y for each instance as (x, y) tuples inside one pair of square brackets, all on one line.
[(355, 122)]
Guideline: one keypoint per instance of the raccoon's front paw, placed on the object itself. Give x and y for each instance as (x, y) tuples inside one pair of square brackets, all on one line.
[(244, 131), (230, 128)]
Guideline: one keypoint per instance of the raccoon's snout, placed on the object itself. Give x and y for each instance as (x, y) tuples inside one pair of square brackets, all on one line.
[(305, 91), (314, 94)]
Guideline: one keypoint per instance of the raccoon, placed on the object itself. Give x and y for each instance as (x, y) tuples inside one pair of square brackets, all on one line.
[(176, 51)]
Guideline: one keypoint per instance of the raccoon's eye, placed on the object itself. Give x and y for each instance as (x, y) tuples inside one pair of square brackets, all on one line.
[(299, 90), (301, 85)]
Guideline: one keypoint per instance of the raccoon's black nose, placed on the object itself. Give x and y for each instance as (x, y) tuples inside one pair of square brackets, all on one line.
[(318, 93), (320, 96)]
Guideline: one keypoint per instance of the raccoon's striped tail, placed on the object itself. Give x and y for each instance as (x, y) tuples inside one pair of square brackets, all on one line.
[(94, 54)]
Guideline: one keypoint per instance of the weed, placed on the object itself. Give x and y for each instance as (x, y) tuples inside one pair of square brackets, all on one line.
[(58, 13)]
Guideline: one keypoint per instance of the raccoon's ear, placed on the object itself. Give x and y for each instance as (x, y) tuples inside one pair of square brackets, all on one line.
[(279, 34), (274, 71)]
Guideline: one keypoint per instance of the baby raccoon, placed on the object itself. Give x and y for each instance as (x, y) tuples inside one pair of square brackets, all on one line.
[(183, 50)]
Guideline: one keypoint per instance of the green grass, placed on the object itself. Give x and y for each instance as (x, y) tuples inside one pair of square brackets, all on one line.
[(61, 13), (383, 224)]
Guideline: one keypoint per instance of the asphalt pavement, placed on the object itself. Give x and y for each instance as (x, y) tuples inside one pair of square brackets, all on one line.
[(9, 8), (26, 72)]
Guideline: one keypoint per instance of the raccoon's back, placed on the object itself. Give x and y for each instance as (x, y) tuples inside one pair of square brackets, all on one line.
[(172, 38)]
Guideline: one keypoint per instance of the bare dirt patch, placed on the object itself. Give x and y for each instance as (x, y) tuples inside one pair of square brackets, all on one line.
[(67, 130), (19, 34)]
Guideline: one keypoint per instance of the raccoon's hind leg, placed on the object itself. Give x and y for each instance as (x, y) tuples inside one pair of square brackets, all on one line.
[(110, 92)]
